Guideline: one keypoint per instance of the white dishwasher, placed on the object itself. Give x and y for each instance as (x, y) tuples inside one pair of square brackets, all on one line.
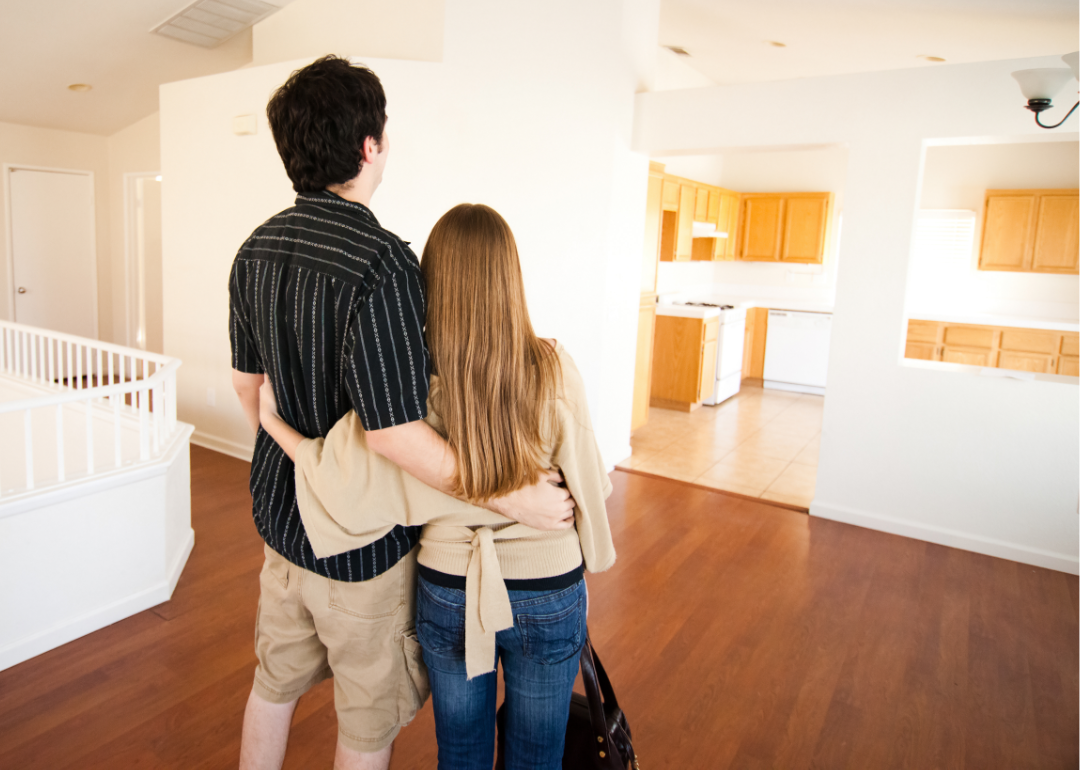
[(797, 351)]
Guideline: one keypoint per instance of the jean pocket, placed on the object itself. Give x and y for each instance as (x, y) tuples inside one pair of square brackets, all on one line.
[(440, 628), (555, 636)]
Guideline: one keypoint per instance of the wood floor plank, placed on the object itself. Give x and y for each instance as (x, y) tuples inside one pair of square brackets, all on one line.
[(737, 635)]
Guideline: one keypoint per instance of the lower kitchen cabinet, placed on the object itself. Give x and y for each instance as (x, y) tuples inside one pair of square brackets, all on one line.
[(643, 361), (1003, 347), (684, 361)]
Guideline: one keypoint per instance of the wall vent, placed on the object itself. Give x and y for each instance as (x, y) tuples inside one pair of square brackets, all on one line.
[(209, 23)]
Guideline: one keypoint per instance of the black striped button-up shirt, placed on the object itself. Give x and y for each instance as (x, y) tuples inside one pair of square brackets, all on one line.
[(331, 307)]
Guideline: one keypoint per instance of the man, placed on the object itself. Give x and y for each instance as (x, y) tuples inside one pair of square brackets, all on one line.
[(330, 306)]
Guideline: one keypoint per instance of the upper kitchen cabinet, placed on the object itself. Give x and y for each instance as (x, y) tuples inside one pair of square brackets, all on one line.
[(653, 211), (677, 219), (1031, 231), (783, 227), (724, 213)]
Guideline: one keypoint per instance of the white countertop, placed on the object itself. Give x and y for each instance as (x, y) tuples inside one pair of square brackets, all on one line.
[(687, 311), (996, 320), (774, 303)]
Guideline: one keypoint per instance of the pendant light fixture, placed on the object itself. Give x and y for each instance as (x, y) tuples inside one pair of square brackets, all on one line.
[(1040, 86)]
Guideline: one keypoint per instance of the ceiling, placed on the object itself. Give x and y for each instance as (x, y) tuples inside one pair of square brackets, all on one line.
[(729, 40), (46, 45)]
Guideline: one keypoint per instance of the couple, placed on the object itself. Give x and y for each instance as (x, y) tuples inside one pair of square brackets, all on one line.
[(406, 404)]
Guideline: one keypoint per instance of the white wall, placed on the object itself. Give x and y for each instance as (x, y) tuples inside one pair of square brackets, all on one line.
[(987, 464), (134, 149), (49, 148), (307, 29), (957, 177), (815, 169), (544, 137)]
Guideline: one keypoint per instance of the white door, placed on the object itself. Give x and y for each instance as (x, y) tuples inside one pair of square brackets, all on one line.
[(52, 236)]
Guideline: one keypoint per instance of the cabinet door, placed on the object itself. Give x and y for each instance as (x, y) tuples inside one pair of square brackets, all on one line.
[(727, 222), (701, 205), (708, 370), (684, 243), (1069, 360), (922, 351), (759, 233), (671, 195), (1026, 362), (1056, 242), (805, 220), (969, 356), (1008, 223), (714, 208), (676, 372), (643, 361), (1069, 365), (653, 212)]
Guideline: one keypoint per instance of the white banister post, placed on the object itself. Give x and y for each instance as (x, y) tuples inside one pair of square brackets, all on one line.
[(28, 430), (60, 441), (89, 438), (118, 455), (144, 431), (32, 344), (69, 378), (78, 366)]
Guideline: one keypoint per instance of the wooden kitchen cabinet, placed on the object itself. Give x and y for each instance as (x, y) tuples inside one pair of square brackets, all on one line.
[(701, 205), (677, 219), (783, 227), (1031, 231), (757, 327), (724, 213), (654, 209), (1041, 351), (643, 363), (684, 242), (684, 361)]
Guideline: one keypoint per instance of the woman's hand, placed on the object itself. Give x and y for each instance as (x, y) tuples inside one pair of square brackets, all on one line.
[(279, 430), (267, 402)]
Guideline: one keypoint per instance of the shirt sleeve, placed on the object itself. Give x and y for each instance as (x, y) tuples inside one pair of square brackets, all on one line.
[(245, 353), (387, 361)]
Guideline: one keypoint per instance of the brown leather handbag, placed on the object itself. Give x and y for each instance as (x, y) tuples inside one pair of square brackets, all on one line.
[(597, 734)]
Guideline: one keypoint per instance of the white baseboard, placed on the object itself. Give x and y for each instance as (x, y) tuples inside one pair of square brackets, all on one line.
[(1037, 557), (226, 447), (72, 629)]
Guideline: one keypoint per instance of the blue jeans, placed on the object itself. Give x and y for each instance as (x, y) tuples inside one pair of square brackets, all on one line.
[(540, 661)]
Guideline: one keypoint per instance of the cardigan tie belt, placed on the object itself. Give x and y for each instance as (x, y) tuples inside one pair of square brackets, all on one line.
[(487, 603)]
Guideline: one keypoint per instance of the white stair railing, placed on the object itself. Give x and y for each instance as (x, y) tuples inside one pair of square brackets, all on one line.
[(133, 389)]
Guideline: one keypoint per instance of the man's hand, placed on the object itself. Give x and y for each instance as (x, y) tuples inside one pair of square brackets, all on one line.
[(544, 505)]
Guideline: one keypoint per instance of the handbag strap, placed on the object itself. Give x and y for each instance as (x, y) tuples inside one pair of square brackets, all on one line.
[(605, 684), (592, 690)]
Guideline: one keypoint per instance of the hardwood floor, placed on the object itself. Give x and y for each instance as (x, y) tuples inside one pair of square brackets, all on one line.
[(737, 635)]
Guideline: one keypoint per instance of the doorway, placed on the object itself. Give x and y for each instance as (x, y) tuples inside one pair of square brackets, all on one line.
[(53, 259), (142, 260)]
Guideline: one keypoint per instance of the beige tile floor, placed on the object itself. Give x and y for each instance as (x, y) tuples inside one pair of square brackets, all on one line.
[(762, 443)]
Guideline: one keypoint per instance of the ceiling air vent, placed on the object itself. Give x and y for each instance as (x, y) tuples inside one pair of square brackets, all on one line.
[(677, 49), (209, 23)]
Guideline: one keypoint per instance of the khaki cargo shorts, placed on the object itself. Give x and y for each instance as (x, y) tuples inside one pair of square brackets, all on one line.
[(310, 628)]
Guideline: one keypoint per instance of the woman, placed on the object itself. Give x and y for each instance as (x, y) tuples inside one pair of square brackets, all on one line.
[(510, 406)]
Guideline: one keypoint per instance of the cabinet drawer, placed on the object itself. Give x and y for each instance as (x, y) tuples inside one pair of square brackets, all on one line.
[(1029, 341), (969, 336), (922, 331), (1026, 362), (1070, 345), (710, 330)]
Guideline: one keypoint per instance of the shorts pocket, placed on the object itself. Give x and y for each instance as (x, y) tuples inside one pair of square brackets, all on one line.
[(276, 569), (376, 598), (415, 688), (555, 636)]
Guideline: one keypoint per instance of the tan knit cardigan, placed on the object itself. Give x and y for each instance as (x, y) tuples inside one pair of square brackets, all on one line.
[(350, 497)]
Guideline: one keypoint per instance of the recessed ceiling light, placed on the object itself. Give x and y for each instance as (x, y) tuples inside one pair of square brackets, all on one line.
[(924, 57), (776, 44), (79, 87), (677, 49)]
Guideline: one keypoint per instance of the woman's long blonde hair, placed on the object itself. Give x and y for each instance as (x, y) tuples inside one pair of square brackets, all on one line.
[(497, 379)]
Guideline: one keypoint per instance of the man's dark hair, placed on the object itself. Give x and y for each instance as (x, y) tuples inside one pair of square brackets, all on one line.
[(320, 118)]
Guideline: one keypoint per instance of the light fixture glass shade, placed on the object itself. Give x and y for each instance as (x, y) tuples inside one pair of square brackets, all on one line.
[(1042, 83), (1071, 59)]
